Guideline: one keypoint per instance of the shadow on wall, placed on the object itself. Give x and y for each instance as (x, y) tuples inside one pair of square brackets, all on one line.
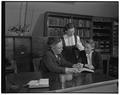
[(39, 45), (39, 27)]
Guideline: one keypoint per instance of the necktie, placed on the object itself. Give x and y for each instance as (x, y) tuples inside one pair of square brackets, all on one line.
[(89, 59), (58, 57)]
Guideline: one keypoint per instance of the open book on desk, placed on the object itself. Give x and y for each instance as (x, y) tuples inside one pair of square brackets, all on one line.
[(38, 83), (80, 68), (85, 70)]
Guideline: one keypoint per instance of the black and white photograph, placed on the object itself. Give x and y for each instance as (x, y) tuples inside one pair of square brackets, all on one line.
[(60, 47)]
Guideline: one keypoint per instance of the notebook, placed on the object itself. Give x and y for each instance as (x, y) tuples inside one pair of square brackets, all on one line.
[(38, 83)]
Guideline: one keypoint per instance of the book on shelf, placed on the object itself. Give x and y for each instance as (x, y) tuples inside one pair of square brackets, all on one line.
[(84, 33), (81, 23), (81, 32), (87, 33), (55, 31), (75, 22), (88, 24), (57, 21), (52, 21), (66, 20)]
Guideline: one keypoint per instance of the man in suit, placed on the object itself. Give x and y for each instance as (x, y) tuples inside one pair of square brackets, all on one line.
[(94, 59), (53, 60)]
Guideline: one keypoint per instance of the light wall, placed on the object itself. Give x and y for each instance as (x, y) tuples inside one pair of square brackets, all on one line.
[(105, 9)]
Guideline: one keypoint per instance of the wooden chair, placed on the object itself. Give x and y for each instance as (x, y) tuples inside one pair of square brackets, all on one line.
[(12, 68), (106, 60), (36, 64)]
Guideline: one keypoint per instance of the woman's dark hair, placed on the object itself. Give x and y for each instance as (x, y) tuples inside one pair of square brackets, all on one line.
[(69, 26), (53, 40)]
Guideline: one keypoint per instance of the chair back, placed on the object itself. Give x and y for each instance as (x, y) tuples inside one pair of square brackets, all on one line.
[(36, 64)]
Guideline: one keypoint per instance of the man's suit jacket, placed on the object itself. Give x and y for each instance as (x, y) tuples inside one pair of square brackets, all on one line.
[(50, 63), (97, 60)]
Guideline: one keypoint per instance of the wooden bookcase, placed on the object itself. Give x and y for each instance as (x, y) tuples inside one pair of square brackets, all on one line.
[(98, 28), (115, 37), (54, 23), (114, 63), (102, 34), (19, 49)]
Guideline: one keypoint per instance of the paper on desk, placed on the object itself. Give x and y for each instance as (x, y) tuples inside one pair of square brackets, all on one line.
[(85, 69), (38, 83), (80, 68)]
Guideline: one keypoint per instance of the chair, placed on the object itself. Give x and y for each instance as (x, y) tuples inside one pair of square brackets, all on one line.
[(113, 67), (36, 64), (12, 68), (106, 60)]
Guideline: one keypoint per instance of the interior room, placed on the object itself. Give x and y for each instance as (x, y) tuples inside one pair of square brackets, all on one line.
[(30, 24)]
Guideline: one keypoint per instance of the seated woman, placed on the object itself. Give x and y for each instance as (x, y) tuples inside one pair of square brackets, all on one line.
[(53, 60), (94, 59)]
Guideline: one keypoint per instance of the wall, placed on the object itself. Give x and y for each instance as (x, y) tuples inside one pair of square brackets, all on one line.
[(105, 9)]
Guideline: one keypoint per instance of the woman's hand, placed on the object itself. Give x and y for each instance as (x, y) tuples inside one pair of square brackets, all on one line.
[(71, 70), (89, 66), (78, 65)]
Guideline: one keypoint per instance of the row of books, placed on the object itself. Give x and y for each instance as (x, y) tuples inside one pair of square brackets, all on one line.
[(101, 27), (81, 23), (60, 31), (104, 31), (101, 34), (84, 33), (115, 50), (55, 32), (99, 19), (57, 21), (115, 35)]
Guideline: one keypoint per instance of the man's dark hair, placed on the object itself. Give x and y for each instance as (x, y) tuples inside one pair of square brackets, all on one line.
[(69, 26)]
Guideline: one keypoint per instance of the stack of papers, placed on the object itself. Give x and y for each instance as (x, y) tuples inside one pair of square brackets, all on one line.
[(38, 83)]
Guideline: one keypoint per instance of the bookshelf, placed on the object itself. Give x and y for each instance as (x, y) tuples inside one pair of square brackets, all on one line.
[(98, 28), (113, 63), (54, 23), (102, 34), (115, 38)]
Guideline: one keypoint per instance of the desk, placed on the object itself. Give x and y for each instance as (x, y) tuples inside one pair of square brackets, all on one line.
[(55, 85)]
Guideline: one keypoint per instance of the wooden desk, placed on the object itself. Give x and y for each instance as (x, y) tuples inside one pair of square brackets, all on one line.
[(100, 87), (79, 81)]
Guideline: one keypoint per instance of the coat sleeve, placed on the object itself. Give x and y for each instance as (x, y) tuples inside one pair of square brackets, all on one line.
[(66, 63), (79, 44), (52, 65)]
